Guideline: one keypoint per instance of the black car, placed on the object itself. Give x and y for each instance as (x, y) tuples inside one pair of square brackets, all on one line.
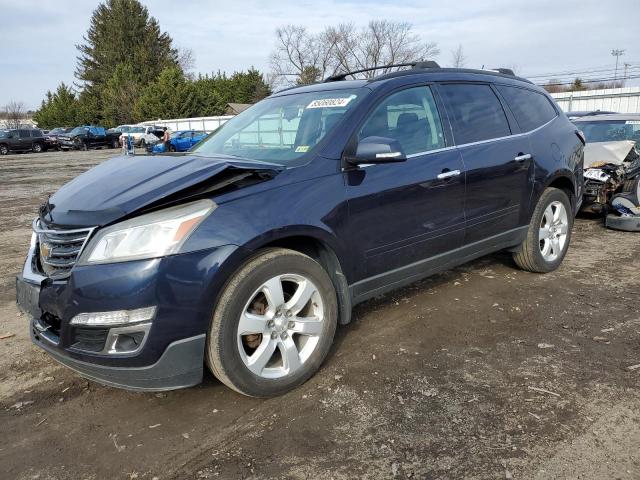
[(21, 140), (246, 252), (51, 138), (88, 136)]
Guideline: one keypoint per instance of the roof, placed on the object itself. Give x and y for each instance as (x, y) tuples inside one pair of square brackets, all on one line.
[(430, 74), (236, 108), (609, 117)]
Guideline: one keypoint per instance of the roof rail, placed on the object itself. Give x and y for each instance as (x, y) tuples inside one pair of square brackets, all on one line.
[(504, 71), (421, 64)]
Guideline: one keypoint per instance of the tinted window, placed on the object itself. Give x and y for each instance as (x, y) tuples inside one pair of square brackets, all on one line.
[(476, 113), (531, 109), (409, 116), (36, 133), (24, 133)]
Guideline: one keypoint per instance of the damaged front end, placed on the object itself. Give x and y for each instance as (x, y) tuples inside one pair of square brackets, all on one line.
[(610, 169)]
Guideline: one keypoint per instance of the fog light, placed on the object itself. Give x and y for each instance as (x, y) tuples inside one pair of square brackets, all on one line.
[(116, 317)]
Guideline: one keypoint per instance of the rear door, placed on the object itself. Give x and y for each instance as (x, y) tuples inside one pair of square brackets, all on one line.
[(497, 158), (402, 213), (24, 140)]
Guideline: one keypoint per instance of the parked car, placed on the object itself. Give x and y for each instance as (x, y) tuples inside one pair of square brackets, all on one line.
[(181, 141), (51, 138), (140, 135), (612, 160), (86, 137), (248, 251), (120, 129), (21, 140)]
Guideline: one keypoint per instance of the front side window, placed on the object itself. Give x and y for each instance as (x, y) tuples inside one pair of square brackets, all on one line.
[(281, 129), (531, 109), (475, 112), (409, 116)]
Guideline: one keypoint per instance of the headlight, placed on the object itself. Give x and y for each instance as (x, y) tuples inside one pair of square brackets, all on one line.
[(148, 236)]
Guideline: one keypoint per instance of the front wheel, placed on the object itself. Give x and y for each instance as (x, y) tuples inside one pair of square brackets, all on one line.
[(549, 233), (273, 325)]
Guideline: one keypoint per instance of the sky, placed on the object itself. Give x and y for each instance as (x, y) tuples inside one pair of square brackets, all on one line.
[(536, 37)]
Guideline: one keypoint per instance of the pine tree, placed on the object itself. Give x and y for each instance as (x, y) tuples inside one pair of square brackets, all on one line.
[(121, 31), (60, 109)]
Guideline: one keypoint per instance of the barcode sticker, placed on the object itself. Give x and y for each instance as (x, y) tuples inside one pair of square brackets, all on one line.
[(330, 102)]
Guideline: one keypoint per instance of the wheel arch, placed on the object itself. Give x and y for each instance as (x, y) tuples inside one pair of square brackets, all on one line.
[(317, 245), (564, 182)]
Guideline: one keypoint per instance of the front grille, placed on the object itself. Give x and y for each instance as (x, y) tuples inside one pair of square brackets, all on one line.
[(58, 250)]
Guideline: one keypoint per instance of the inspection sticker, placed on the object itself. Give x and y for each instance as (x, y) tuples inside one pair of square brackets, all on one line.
[(330, 102)]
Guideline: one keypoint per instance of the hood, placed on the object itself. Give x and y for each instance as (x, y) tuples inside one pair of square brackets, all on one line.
[(601, 153), (126, 184)]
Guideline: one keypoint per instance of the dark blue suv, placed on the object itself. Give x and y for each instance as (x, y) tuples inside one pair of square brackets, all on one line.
[(246, 252)]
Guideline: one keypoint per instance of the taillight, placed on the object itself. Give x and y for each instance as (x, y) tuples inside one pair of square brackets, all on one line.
[(581, 136)]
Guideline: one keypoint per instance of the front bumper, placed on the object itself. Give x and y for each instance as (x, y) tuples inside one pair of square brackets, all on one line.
[(181, 365), (182, 288)]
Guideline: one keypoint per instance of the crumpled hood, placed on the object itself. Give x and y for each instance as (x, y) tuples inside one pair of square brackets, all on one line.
[(124, 184), (596, 153)]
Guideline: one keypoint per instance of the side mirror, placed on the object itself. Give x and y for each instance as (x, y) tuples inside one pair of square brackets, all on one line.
[(372, 150)]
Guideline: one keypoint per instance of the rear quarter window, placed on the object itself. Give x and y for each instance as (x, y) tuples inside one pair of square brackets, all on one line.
[(531, 109), (476, 113)]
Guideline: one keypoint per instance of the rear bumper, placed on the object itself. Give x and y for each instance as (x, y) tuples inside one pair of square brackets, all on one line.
[(181, 365)]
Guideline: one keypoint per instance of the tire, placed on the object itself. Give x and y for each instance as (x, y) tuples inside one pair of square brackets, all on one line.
[(143, 144), (235, 361), (631, 189), (37, 148), (115, 143), (623, 223), (172, 148), (4, 150), (548, 236)]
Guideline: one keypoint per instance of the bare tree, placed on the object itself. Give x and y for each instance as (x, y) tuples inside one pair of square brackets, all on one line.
[(187, 61), (14, 113), (311, 57), (458, 58)]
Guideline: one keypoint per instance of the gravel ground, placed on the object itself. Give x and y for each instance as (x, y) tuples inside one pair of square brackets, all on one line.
[(481, 372)]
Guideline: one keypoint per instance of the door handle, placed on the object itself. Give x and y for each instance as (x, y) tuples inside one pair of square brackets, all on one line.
[(523, 157), (448, 174)]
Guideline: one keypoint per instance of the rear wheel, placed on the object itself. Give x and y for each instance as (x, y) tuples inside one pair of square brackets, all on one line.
[(172, 148), (549, 233), (4, 150), (37, 147), (273, 325)]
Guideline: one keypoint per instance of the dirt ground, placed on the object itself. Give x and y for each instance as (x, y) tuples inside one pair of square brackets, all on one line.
[(481, 372)]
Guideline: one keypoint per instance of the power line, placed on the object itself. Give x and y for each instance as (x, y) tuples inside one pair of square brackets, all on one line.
[(602, 68), (595, 80), (558, 78)]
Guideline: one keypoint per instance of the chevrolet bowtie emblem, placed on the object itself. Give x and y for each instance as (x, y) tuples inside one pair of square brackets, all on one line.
[(45, 250)]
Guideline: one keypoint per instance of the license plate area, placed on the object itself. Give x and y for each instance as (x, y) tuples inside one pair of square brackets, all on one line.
[(28, 298)]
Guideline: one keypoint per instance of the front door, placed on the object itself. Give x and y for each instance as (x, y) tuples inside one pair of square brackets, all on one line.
[(499, 164), (402, 213)]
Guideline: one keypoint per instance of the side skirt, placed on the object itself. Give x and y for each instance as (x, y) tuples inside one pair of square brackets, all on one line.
[(393, 279)]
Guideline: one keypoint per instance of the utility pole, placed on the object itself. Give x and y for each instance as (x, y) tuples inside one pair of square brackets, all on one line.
[(624, 76), (616, 53)]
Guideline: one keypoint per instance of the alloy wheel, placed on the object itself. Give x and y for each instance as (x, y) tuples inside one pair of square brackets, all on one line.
[(280, 326), (554, 228)]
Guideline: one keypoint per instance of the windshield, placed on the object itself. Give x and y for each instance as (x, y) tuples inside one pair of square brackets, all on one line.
[(280, 129), (136, 130), (610, 131), (78, 130)]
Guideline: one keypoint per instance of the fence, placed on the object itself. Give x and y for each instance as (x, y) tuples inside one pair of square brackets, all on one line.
[(623, 100), (208, 124)]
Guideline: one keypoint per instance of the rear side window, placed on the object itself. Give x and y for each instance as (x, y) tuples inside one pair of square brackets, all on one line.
[(531, 109), (476, 113), (409, 116), (24, 133)]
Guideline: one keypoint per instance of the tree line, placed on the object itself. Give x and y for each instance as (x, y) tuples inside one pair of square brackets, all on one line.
[(128, 70)]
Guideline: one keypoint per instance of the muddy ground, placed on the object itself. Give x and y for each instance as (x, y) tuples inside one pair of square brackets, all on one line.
[(481, 372)]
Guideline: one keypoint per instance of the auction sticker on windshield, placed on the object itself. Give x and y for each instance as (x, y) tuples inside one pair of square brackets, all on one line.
[(330, 102)]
